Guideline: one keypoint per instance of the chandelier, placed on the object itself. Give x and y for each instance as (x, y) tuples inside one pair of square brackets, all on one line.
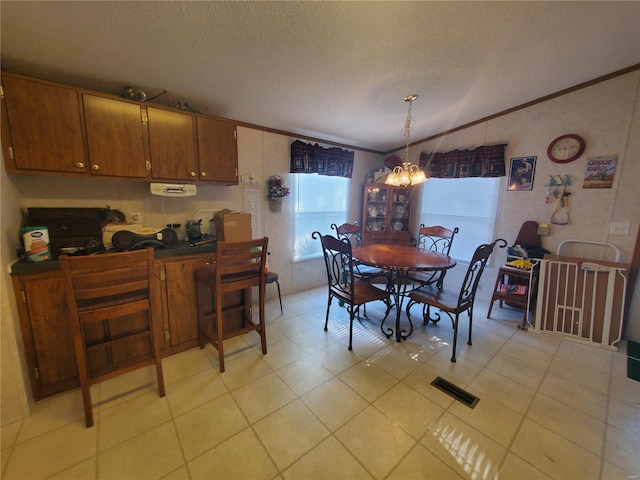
[(407, 174)]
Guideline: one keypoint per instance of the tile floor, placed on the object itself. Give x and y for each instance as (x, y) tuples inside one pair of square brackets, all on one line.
[(310, 409)]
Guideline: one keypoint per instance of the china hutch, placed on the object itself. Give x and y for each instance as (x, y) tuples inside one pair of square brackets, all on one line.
[(386, 214)]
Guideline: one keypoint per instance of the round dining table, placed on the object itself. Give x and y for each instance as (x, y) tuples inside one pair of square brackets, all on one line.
[(398, 261)]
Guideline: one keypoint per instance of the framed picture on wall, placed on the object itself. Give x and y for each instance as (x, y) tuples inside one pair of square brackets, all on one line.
[(599, 172), (521, 173)]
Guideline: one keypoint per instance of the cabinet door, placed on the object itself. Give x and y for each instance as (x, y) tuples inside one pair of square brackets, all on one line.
[(172, 145), (180, 303), (386, 217), (217, 151), (46, 332), (44, 127), (115, 137)]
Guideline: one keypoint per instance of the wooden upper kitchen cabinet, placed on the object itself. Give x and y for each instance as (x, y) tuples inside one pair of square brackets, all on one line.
[(41, 127), (172, 145), (217, 150), (115, 137), (46, 333)]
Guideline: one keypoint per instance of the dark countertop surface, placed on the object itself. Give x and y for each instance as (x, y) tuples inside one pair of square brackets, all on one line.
[(178, 249)]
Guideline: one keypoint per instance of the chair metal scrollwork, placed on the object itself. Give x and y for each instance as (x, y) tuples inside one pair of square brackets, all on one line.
[(436, 239), (352, 232), (342, 282), (453, 303)]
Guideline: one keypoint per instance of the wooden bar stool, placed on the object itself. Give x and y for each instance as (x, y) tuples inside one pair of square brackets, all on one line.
[(239, 266)]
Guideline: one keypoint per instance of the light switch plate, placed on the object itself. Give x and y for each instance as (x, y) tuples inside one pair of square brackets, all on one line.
[(619, 228)]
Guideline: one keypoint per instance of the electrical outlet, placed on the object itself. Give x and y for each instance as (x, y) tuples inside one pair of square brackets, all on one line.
[(619, 228), (136, 218)]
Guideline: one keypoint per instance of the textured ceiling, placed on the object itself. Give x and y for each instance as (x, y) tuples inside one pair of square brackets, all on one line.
[(332, 70)]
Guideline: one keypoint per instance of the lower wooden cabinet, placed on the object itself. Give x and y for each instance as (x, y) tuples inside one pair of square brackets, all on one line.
[(46, 331), (178, 296)]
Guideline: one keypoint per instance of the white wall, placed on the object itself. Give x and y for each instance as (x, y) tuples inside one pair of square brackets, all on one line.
[(606, 115)]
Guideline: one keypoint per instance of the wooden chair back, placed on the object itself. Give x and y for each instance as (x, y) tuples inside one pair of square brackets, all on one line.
[(436, 238), (350, 231), (113, 302)]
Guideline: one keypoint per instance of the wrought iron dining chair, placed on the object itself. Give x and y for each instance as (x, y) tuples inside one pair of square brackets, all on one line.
[(453, 303), (437, 239), (352, 232), (343, 284), (113, 303)]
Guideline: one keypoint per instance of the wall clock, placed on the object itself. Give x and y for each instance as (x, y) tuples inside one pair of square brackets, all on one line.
[(565, 148)]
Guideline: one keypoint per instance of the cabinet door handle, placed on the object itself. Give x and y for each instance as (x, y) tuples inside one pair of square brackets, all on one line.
[(95, 167), (80, 165), (193, 174), (203, 174)]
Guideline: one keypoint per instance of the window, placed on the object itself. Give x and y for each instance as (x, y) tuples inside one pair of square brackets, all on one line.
[(471, 204), (318, 201)]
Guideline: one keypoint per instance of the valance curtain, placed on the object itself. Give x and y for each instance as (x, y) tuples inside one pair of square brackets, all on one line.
[(307, 158), (484, 161)]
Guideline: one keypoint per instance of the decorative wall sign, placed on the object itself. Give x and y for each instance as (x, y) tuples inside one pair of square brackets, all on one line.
[(521, 173), (599, 172)]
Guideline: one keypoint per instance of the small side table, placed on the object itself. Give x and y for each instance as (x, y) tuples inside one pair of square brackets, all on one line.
[(512, 276)]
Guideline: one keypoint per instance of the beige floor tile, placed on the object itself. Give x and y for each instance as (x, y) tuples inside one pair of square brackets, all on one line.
[(289, 433), (244, 369), (9, 434), (531, 355), (195, 390), (182, 365), (554, 455), (420, 380), (577, 396), (85, 470), (125, 387), (626, 391), (421, 464), (55, 412), (334, 403), (328, 461), (461, 372), (149, 455), (303, 375), (517, 370), (510, 393), (52, 452), (621, 448), (262, 397), (396, 361), (614, 472), (336, 358), (580, 374), (368, 380), (547, 343), (593, 357), (568, 422), (180, 474), (407, 408), (375, 441), (489, 417), (208, 425), (623, 416), (132, 418), (514, 468), (283, 353), (229, 460), (464, 449)]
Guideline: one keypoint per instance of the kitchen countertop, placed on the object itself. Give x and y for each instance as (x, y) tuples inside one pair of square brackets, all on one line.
[(180, 248)]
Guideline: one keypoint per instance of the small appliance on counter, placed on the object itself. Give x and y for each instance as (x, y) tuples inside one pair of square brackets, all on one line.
[(129, 240)]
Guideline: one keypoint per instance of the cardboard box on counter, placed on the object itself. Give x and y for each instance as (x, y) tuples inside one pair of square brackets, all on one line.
[(232, 226)]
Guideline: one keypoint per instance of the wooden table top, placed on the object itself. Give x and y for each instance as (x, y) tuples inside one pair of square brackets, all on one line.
[(401, 257)]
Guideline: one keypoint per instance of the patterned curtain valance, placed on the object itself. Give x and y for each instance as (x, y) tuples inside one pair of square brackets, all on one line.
[(485, 161), (307, 158)]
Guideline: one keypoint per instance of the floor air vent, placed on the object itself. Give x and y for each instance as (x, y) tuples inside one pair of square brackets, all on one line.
[(456, 392)]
